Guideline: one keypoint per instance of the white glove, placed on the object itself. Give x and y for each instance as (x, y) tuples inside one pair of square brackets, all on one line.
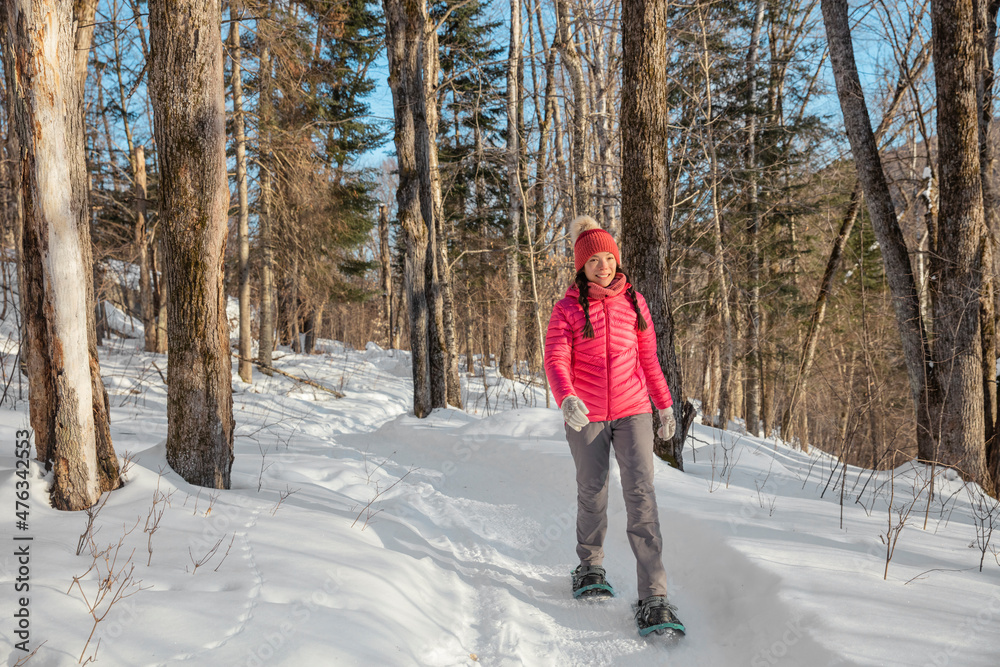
[(667, 424), (575, 412)]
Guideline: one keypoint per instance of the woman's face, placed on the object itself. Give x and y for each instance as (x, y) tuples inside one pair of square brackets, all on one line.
[(600, 268)]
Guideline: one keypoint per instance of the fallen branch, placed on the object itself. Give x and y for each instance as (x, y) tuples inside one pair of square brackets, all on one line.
[(311, 383)]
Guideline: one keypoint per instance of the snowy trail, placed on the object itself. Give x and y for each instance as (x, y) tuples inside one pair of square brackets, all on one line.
[(506, 543)]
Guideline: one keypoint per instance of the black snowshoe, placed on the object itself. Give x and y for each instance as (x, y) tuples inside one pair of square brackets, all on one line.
[(654, 614), (589, 582)]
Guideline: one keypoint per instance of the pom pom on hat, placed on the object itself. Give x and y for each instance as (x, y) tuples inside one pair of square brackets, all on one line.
[(589, 239), (580, 224)]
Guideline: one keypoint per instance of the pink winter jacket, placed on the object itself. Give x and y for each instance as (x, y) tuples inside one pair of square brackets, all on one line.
[(615, 372)]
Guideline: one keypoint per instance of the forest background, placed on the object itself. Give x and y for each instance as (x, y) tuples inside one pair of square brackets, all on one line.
[(781, 307)]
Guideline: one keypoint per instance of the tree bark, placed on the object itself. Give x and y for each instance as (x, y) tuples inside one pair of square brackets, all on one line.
[(265, 221), (880, 208), (142, 250), (566, 43), (313, 323), (644, 239), (385, 261), (958, 263), (444, 382), (243, 215), (602, 83), (425, 128), (68, 405), (293, 309), (187, 88), (159, 292), (754, 369), (405, 25), (515, 200), (107, 461), (453, 386), (988, 298)]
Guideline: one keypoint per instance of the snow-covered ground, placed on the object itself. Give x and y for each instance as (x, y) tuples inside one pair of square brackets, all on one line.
[(357, 534)]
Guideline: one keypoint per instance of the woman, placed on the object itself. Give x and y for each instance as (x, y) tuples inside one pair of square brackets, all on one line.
[(600, 359)]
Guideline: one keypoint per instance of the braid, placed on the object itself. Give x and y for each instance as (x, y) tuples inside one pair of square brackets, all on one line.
[(582, 283), (635, 304)]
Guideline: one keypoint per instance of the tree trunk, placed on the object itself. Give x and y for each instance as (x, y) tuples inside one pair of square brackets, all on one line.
[(602, 81), (645, 243), (488, 336), (958, 262), (988, 299), (515, 201), (83, 13), (187, 88), (753, 361), (293, 312), (313, 322), (142, 251), (566, 43), (405, 25), (880, 208), (265, 220), (386, 270), (107, 461), (453, 386), (470, 353), (68, 404), (243, 216), (159, 292), (432, 211)]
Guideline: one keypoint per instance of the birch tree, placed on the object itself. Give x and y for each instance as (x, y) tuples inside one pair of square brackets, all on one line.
[(243, 214), (265, 218), (515, 200), (68, 406), (754, 366), (565, 41)]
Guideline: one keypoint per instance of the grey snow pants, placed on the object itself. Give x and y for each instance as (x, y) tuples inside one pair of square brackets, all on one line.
[(633, 442)]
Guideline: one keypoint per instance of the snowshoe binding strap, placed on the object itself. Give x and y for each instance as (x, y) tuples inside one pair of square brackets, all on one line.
[(589, 581), (655, 614)]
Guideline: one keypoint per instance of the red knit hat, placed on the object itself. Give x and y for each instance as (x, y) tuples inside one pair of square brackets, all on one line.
[(589, 239)]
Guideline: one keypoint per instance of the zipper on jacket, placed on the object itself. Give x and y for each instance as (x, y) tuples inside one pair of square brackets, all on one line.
[(607, 352)]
